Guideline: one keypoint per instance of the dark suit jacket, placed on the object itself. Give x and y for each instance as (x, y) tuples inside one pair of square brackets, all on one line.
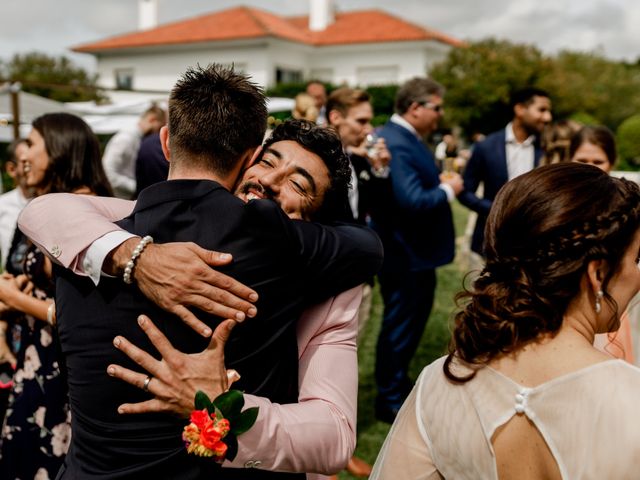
[(151, 164), (488, 164), (416, 227), (372, 190), (289, 263)]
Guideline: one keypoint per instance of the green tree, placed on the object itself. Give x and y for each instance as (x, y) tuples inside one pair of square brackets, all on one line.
[(481, 78), (628, 136), (57, 78), (592, 84)]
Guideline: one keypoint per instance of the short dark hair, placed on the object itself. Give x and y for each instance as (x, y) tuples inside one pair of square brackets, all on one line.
[(325, 143), (543, 229), (74, 155), (525, 96), (599, 136), (215, 115), (344, 98), (418, 89)]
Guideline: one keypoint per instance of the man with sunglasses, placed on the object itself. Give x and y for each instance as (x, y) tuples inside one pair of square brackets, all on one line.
[(417, 233)]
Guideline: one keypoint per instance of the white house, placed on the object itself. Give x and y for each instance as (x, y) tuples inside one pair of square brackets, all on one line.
[(362, 47)]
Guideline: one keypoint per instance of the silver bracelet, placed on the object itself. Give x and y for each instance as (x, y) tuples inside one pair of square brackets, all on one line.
[(128, 269)]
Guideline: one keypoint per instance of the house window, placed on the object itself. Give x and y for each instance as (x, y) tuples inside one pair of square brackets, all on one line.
[(124, 79), (287, 75), (321, 74), (377, 75)]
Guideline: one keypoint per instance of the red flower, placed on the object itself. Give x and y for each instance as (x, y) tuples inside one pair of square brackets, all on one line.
[(200, 418)]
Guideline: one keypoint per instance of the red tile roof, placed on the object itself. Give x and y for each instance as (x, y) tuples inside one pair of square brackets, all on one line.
[(362, 26)]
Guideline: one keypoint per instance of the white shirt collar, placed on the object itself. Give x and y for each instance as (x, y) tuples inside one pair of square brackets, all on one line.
[(398, 120), (510, 137)]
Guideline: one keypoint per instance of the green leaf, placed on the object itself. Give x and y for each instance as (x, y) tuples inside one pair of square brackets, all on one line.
[(219, 414), (232, 446), (202, 401), (244, 421), (230, 404)]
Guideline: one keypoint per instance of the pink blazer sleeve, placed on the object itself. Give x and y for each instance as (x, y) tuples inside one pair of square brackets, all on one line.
[(318, 434), (63, 225)]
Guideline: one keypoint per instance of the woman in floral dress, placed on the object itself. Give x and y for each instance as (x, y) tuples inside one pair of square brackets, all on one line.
[(63, 156)]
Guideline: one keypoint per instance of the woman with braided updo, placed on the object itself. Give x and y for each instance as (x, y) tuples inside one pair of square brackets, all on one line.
[(523, 394)]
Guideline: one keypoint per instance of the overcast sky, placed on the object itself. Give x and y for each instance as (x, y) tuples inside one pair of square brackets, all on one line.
[(610, 26)]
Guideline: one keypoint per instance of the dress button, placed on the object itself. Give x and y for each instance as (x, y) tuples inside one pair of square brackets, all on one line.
[(257, 464), (249, 464), (519, 397), (519, 408), (56, 251)]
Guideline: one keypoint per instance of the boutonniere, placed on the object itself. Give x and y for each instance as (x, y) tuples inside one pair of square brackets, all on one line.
[(215, 425)]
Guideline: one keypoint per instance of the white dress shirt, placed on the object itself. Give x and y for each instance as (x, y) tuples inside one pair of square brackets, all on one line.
[(520, 156), (11, 204)]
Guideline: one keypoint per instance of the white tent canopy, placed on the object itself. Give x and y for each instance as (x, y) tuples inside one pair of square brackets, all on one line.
[(123, 112), (31, 106)]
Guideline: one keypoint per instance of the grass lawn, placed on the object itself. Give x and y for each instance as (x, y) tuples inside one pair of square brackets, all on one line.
[(371, 433)]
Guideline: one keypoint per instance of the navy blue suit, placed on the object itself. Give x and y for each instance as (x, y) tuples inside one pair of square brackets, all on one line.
[(488, 164), (151, 164), (417, 232)]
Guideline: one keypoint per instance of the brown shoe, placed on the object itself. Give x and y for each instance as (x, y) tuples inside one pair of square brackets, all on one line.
[(358, 467)]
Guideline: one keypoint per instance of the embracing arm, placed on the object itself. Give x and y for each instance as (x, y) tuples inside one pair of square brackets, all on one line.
[(336, 258), (63, 225), (318, 434), (315, 435)]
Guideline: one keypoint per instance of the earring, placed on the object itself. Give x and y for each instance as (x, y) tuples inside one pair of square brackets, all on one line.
[(599, 296)]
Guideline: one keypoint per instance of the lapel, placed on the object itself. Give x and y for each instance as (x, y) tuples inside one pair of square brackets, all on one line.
[(500, 165), (537, 155)]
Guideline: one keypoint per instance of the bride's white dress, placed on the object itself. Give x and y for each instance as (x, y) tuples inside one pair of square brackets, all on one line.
[(590, 419)]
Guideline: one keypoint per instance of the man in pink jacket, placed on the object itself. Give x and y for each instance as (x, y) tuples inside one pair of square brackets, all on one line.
[(315, 435)]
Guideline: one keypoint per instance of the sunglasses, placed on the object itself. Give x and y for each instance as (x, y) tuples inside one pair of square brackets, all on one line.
[(432, 106)]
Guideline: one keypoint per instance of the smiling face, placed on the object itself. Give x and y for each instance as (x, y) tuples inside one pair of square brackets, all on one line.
[(295, 178), (535, 115), (36, 160)]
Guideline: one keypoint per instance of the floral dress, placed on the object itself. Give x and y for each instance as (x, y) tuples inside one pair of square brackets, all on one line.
[(37, 430)]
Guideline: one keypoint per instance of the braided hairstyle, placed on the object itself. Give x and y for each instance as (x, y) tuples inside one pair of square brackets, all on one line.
[(543, 230)]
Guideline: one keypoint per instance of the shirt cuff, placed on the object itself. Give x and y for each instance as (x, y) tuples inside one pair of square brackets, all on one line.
[(93, 257), (448, 189)]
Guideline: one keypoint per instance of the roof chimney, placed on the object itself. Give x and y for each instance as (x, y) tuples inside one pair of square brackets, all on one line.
[(147, 14), (321, 14)]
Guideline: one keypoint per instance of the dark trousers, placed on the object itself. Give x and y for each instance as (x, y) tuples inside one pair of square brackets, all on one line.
[(408, 298)]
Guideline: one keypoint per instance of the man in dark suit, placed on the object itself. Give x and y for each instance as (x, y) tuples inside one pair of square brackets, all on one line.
[(216, 122), (349, 112), (504, 155), (417, 233), (151, 166)]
